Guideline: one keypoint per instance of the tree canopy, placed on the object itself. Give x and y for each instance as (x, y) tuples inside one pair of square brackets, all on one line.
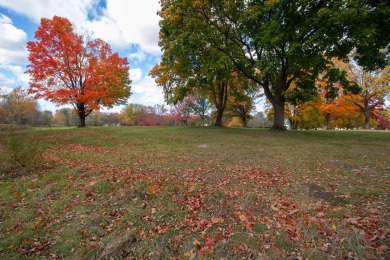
[(274, 43), (70, 68)]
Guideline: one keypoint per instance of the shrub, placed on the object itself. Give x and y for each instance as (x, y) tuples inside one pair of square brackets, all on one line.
[(21, 153)]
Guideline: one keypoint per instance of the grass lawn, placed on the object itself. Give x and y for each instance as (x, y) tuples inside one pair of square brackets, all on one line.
[(185, 193)]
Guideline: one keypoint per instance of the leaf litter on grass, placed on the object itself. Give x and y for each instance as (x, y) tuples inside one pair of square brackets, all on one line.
[(209, 211)]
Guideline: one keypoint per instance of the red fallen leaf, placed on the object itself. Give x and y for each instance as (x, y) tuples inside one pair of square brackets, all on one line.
[(261, 237), (40, 247), (208, 249), (273, 207), (381, 249), (243, 248)]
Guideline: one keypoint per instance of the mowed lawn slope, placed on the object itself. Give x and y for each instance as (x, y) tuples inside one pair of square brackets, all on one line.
[(185, 193)]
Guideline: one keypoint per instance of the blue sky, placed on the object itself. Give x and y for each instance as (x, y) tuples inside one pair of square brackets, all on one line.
[(129, 26)]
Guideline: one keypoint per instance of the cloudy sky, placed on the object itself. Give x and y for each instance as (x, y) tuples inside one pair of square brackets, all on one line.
[(129, 26)]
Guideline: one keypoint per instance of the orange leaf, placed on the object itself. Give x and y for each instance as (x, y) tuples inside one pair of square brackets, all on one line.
[(381, 249), (217, 220)]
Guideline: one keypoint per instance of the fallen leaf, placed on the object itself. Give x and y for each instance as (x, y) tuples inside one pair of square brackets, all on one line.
[(217, 220), (381, 249), (196, 243)]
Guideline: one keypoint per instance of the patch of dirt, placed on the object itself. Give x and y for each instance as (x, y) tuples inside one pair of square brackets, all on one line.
[(120, 248), (318, 192)]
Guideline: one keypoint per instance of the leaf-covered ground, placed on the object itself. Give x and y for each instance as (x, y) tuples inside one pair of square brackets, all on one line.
[(189, 193)]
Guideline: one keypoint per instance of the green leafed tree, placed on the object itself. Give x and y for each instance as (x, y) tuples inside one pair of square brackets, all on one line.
[(190, 64), (129, 114), (275, 43)]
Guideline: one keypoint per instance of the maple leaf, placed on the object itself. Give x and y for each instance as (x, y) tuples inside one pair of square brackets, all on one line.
[(381, 249)]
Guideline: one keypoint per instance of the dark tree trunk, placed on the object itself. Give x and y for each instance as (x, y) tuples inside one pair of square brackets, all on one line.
[(279, 114), (328, 121), (220, 95), (82, 114), (82, 119), (218, 120), (243, 118), (367, 118)]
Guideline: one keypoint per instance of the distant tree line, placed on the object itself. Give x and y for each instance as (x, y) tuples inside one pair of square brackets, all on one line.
[(323, 110), (191, 111), (18, 108)]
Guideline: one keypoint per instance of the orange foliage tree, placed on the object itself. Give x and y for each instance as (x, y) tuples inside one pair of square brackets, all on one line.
[(346, 114), (375, 88), (70, 68), (337, 110)]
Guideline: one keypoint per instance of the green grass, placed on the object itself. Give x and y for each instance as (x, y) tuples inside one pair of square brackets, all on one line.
[(165, 192)]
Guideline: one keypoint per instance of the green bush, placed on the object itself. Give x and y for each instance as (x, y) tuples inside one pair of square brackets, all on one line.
[(22, 152)]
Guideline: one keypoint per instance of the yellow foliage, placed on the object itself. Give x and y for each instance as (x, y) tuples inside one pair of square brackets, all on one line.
[(235, 122)]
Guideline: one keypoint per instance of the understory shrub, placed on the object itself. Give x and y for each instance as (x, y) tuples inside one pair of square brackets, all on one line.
[(20, 154)]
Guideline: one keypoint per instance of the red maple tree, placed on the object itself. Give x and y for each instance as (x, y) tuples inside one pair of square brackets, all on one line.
[(70, 68)]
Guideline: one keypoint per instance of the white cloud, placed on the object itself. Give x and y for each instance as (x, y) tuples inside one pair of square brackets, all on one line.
[(137, 56), (149, 93), (18, 72), (125, 23), (74, 10), (5, 19), (135, 74), (12, 42), (5, 90), (122, 24), (47, 105)]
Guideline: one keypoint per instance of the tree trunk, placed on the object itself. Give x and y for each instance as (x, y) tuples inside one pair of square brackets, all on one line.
[(293, 124), (278, 100), (328, 121), (82, 114), (218, 120), (367, 118), (220, 95), (279, 114), (82, 119), (244, 123)]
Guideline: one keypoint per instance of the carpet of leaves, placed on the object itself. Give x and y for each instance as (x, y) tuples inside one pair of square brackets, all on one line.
[(205, 212)]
